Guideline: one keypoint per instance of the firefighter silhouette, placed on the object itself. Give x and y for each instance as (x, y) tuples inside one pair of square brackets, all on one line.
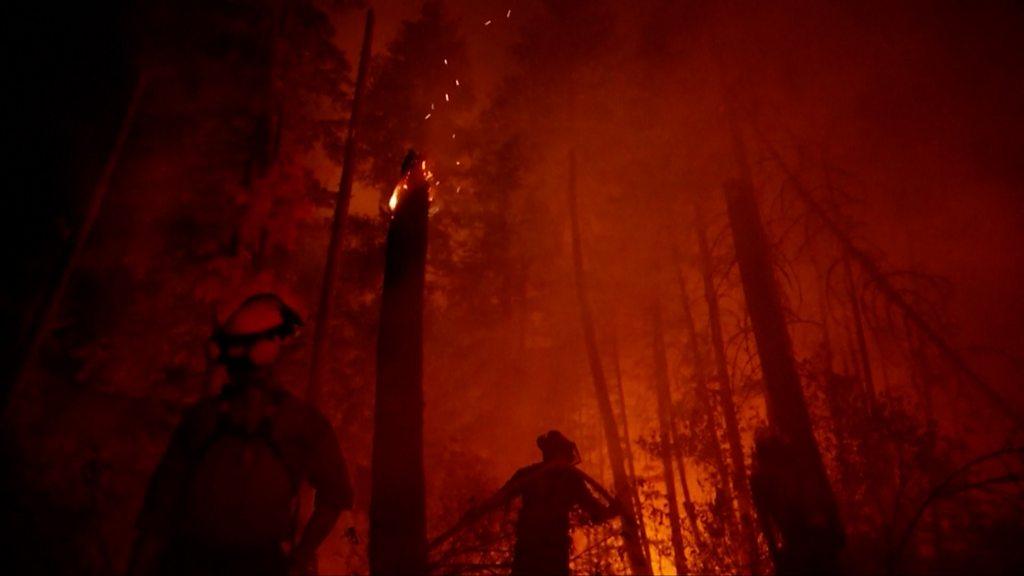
[(549, 490), (800, 525), (223, 498)]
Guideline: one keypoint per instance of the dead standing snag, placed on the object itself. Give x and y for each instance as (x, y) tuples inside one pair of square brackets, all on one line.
[(398, 543), (550, 490), (666, 440), (638, 562), (784, 396)]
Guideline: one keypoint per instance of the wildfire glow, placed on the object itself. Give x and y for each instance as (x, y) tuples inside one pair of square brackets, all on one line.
[(416, 176), (393, 201)]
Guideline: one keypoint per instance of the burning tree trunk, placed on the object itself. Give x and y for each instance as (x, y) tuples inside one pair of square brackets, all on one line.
[(397, 506), (638, 564), (665, 440), (787, 408), (627, 443), (732, 428), (321, 331)]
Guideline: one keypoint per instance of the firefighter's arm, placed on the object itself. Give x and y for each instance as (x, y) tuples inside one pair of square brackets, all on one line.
[(320, 524), (329, 477), (503, 496), (508, 492), (499, 498)]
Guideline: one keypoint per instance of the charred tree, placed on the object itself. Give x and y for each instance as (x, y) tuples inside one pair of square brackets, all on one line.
[(398, 543), (627, 443), (882, 283), (921, 374), (837, 394), (922, 377), (666, 438), (638, 563), (862, 342), (725, 396), (707, 425), (322, 329), (787, 408), (42, 324), (688, 506)]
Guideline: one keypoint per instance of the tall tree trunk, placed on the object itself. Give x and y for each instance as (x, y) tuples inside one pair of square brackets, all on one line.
[(732, 428), (921, 376), (43, 322), (688, 506), (862, 342), (835, 387), (787, 408), (628, 444), (266, 137), (398, 542), (638, 564), (705, 421), (921, 373), (322, 329), (665, 440)]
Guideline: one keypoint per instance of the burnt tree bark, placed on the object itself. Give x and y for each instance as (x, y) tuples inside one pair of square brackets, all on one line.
[(862, 342), (628, 445), (266, 137), (787, 408), (922, 378), (740, 484), (666, 439), (688, 506), (398, 543), (638, 563), (43, 322), (836, 392)]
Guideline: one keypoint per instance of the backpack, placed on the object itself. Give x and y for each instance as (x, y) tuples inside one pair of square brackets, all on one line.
[(241, 491)]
